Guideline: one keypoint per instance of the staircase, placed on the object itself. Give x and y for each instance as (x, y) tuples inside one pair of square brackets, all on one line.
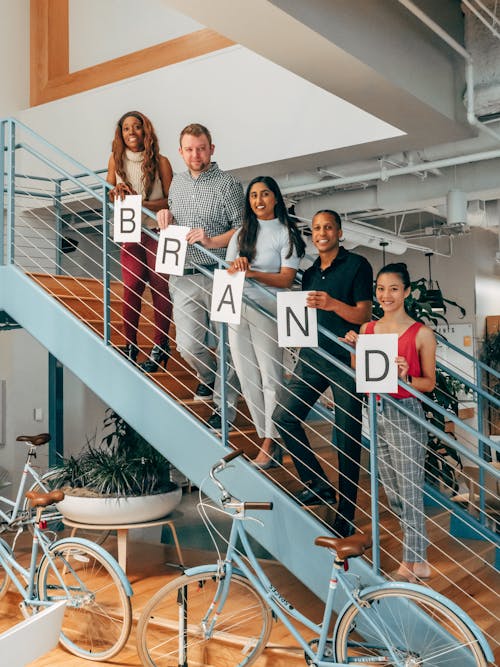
[(66, 315)]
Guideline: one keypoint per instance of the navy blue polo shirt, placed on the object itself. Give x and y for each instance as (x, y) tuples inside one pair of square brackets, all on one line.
[(349, 278)]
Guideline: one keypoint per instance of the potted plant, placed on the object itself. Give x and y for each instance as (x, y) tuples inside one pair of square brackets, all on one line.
[(122, 480)]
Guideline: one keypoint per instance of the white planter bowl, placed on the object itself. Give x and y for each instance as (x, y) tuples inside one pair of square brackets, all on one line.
[(119, 510)]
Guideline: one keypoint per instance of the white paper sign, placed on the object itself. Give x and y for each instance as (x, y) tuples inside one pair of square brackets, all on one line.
[(297, 324), (127, 219), (227, 294), (171, 252), (376, 368)]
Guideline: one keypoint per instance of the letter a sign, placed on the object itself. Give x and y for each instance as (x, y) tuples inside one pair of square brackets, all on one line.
[(376, 368), (297, 324), (227, 295), (127, 219)]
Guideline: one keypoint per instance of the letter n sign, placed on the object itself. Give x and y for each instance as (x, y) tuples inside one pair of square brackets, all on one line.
[(376, 368), (297, 324)]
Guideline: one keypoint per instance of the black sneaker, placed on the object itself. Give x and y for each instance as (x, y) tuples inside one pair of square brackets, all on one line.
[(204, 392), (215, 422), (317, 495)]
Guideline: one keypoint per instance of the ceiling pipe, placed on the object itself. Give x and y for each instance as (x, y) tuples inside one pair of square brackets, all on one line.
[(472, 119), (477, 13), (384, 174)]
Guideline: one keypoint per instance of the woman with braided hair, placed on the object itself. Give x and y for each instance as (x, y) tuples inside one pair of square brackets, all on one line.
[(136, 167)]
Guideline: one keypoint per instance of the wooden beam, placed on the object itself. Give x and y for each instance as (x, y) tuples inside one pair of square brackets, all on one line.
[(50, 78)]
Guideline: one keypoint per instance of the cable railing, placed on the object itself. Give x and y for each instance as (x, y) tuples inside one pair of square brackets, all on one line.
[(41, 211)]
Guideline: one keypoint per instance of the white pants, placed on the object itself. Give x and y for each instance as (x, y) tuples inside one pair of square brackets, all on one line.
[(191, 296), (259, 364)]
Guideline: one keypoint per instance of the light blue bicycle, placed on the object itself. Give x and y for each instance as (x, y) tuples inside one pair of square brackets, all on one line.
[(98, 613), (221, 614)]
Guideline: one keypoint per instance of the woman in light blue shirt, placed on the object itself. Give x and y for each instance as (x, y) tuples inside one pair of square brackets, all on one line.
[(268, 247)]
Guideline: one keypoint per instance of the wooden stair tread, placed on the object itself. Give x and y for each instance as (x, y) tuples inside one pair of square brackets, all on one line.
[(466, 581)]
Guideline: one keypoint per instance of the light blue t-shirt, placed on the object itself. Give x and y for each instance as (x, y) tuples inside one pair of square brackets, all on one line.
[(271, 250)]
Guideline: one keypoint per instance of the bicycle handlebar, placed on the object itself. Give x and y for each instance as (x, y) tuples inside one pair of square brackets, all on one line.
[(255, 505), (232, 455), (225, 495)]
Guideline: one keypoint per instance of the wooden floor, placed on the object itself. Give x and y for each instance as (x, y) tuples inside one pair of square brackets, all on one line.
[(148, 571)]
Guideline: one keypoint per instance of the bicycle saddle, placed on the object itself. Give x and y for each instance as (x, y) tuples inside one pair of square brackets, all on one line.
[(346, 547), (43, 499), (39, 439)]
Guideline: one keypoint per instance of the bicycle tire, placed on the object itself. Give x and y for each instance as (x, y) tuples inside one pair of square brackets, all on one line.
[(412, 638), (56, 524), (4, 577), (242, 629), (98, 615)]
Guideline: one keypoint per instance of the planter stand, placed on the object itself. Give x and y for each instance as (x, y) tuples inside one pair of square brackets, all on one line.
[(122, 534)]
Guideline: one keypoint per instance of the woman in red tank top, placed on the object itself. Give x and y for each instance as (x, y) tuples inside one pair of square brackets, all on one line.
[(401, 440)]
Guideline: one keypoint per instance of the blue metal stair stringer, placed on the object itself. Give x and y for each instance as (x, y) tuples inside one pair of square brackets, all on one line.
[(177, 434)]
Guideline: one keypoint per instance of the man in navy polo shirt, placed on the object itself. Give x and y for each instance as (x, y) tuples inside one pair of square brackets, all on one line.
[(340, 285)]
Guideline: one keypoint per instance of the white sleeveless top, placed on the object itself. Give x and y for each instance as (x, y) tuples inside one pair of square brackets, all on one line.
[(132, 164)]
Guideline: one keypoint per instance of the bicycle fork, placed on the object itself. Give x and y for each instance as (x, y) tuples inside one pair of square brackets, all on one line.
[(209, 620)]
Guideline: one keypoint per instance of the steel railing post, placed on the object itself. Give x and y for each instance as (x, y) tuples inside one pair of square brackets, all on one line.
[(57, 209), (2, 193), (11, 177), (372, 419), (481, 449), (105, 269), (223, 379)]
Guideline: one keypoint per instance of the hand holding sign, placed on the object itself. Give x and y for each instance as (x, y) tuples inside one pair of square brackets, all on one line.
[(227, 295), (127, 219), (297, 324), (376, 368), (171, 252)]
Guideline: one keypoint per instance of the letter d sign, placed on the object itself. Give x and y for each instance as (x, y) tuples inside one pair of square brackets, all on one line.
[(376, 368)]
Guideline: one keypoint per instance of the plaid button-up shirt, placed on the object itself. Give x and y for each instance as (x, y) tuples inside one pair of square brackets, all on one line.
[(213, 201)]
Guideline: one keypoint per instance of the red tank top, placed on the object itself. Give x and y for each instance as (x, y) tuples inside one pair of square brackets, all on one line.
[(407, 348)]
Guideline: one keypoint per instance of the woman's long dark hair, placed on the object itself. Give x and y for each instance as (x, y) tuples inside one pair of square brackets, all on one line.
[(151, 162), (247, 238)]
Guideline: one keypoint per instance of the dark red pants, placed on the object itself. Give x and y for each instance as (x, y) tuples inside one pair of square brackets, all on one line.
[(138, 268)]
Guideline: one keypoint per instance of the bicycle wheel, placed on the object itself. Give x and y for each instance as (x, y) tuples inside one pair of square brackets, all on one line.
[(419, 629), (170, 631), (98, 615), (4, 578), (54, 518)]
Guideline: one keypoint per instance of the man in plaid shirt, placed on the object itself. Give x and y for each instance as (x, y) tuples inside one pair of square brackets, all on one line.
[(210, 202)]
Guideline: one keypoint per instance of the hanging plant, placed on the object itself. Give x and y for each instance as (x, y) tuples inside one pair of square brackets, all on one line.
[(421, 304)]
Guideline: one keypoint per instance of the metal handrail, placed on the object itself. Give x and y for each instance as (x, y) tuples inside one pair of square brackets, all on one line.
[(101, 184)]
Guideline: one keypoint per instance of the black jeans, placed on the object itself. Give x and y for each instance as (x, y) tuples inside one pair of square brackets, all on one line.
[(311, 377)]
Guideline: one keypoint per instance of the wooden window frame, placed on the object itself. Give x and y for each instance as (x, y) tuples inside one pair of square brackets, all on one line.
[(50, 78)]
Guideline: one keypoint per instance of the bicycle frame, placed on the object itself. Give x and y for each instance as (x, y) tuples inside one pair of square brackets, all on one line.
[(17, 503), (279, 606), (287, 614)]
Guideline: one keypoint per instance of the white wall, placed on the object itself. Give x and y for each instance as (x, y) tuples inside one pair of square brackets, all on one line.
[(24, 365), (14, 55), (117, 27), (257, 111)]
